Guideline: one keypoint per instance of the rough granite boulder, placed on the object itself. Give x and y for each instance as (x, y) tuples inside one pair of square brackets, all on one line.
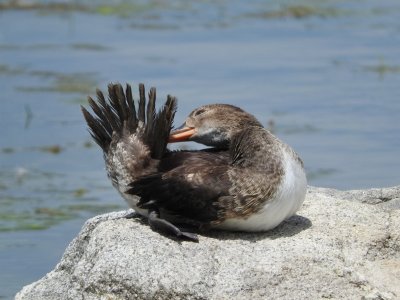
[(341, 245)]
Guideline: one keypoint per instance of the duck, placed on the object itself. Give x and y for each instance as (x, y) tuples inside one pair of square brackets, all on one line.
[(246, 179)]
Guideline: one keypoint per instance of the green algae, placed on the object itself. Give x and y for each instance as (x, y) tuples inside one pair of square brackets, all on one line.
[(80, 83), (37, 200), (88, 144), (56, 7), (41, 218), (382, 68), (123, 9), (126, 9), (300, 11), (37, 219), (53, 149), (80, 192)]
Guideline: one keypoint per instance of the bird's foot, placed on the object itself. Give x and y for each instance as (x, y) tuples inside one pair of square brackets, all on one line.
[(164, 226), (132, 215)]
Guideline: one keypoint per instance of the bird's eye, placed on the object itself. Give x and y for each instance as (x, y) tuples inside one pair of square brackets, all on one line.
[(198, 112)]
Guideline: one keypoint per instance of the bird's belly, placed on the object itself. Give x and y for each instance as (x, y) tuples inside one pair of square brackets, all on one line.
[(284, 204)]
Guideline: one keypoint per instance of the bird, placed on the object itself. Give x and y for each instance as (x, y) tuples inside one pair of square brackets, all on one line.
[(246, 180)]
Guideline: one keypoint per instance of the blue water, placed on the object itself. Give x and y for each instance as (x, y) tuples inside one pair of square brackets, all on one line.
[(328, 82)]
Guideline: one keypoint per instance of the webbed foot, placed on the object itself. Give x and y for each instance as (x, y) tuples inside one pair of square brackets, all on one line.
[(132, 215), (164, 226)]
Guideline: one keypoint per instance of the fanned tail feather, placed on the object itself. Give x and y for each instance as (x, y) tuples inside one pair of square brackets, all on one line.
[(118, 116)]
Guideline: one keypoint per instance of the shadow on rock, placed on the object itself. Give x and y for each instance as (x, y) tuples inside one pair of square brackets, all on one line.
[(287, 228)]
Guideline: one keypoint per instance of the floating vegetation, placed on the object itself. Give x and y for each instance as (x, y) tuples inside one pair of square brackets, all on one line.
[(53, 149), (41, 217), (382, 68), (28, 5), (45, 74), (52, 212), (82, 100), (81, 83), (299, 11), (32, 47), (78, 193), (153, 26), (154, 14), (88, 144), (122, 9), (35, 199), (38, 219), (126, 9), (7, 70), (91, 47), (7, 150)]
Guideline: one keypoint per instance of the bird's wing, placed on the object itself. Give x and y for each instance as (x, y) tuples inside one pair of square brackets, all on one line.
[(205, 190), (187, 191)]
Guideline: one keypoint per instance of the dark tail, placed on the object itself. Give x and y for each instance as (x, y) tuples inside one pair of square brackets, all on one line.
[(117, 116)]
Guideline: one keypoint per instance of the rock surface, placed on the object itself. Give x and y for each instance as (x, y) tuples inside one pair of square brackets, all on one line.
[(341, 245)]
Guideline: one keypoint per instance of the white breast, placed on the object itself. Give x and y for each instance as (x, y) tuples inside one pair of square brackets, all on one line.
[(287, 200)]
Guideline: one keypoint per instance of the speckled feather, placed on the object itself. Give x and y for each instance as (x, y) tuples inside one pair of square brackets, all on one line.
[(249, 181), (211, 190), (132, 141)]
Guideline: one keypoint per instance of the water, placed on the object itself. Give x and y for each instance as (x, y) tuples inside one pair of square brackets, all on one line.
[(324, 76)]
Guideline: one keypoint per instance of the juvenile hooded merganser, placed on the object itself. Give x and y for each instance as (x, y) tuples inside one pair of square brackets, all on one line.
[(249, 181)]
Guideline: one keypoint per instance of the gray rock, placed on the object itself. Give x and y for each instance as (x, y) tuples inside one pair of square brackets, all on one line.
[(334, 248)]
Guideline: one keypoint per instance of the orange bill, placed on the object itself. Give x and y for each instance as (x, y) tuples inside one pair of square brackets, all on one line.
[(181, 135)]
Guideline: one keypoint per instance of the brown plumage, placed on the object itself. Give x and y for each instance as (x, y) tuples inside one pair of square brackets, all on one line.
[(132, 142), (248, 181), (210, 187)]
